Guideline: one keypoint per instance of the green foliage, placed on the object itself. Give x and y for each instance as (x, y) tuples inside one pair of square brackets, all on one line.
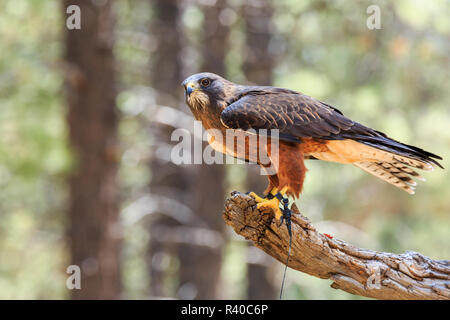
[(33, 152)]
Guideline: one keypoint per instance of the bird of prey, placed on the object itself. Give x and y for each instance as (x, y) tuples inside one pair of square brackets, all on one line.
[(308, 129)]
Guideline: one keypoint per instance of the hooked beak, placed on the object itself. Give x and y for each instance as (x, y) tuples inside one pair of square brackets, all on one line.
[(190, 87)]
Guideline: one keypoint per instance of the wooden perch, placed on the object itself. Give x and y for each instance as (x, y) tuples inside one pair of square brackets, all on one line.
[(363, 272)]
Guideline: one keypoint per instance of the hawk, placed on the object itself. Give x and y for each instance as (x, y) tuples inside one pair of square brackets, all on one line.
[(308, 129)]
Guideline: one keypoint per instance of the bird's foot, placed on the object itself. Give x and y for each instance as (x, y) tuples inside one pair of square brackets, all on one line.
[(257, 198), (273, 200), (273, 204), (265, 198)]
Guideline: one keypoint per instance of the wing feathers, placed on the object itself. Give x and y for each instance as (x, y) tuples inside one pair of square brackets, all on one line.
[(389, 173), (298, 116)]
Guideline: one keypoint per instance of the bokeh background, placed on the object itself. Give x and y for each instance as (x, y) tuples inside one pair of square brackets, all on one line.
[(86, 117)]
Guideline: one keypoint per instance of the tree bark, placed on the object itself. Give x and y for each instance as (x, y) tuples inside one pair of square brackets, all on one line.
[(94, 232), (363, 272)]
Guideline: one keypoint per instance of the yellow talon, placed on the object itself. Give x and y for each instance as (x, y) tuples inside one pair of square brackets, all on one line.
[(278, 214), (273, 203), (257, 198)]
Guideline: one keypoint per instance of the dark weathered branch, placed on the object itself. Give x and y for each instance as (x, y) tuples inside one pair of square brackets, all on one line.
[(362, 272)]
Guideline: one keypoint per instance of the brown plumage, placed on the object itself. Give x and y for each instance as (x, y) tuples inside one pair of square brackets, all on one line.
[(308, 129)]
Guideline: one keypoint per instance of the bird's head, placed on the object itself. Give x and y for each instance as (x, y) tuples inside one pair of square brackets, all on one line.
[(206, 91)]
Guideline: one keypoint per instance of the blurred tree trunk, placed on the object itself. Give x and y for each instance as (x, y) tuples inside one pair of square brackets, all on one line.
[(200, 187), (201, 263), (167, 179), (92, 119), (258, 64)]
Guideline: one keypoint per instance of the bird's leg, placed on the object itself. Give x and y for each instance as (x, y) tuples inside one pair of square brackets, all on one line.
[(265, 198)]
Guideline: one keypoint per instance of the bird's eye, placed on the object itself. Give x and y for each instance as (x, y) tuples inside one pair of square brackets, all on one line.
[(205, 82)]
